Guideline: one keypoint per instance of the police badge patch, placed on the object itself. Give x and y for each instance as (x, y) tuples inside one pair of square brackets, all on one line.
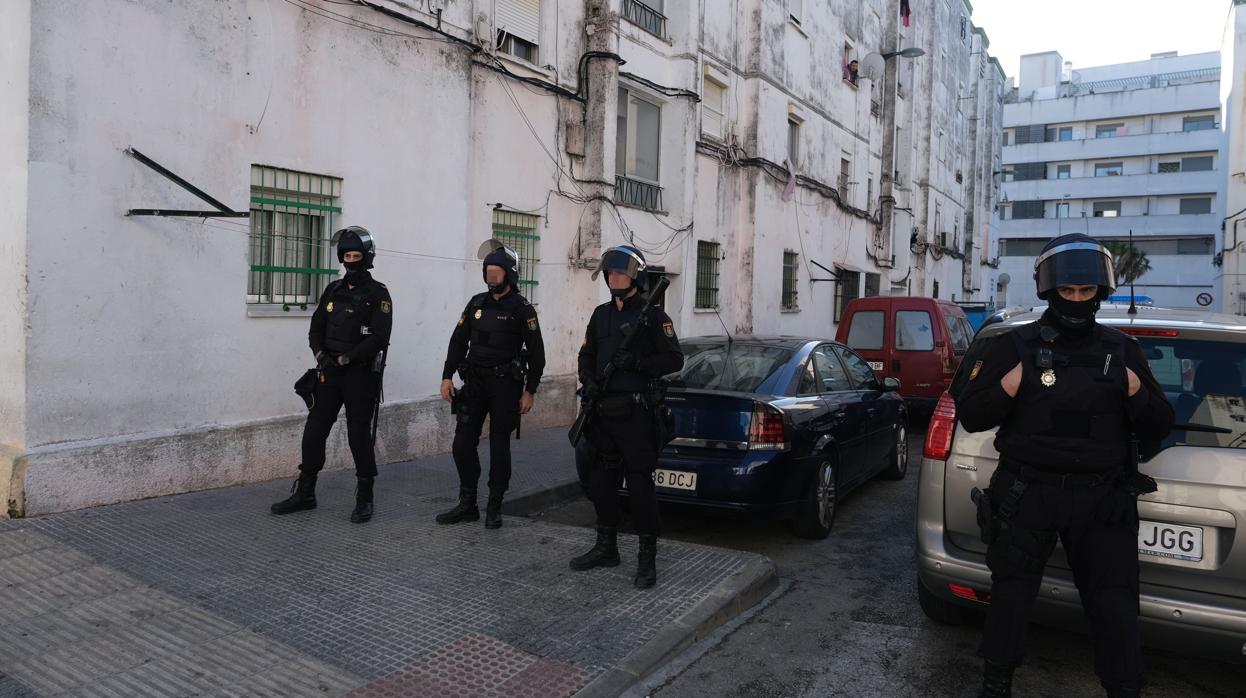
[(329, 308), (386, 306), (668, 329), (1048, 378), (532, 324), (977, 366), (478, 314)]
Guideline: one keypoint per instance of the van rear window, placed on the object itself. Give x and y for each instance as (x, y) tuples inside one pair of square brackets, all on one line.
[(913, 331), (1205, 381), (866, 331)]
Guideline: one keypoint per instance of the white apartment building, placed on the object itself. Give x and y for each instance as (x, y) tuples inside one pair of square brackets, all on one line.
[(1109, 150), (151, 336), (1230, 257)]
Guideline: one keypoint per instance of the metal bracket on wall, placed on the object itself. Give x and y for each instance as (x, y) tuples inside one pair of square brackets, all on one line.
[(834, 276), (222, 211)]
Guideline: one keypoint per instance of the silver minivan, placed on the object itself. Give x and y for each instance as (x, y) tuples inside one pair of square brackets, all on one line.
[(1192, 536)]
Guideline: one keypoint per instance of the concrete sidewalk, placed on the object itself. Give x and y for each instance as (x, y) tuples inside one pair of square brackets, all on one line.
[(208, 594)]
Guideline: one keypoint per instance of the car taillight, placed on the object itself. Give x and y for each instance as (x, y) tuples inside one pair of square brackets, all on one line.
[(945, 352), (970, 593), (1143, 332), (767, 430), (938, 444)]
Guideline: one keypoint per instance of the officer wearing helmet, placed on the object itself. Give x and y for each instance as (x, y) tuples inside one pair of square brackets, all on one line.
[(1072, 400), (349, 334), (625, 433), (498, 352)]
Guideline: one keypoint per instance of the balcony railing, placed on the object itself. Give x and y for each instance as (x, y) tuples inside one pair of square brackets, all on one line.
[(634, 192), (645, 17)]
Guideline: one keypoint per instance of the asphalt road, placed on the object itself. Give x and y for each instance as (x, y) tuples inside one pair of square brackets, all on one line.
[(847, 622)]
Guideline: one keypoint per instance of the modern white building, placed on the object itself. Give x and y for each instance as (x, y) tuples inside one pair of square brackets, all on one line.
[(1109, 150), (1230, 259), (151, 334)]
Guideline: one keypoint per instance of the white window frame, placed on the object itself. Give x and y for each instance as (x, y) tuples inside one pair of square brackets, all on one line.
[(629, 136), (713, 120), (520, 19), (796, 11)]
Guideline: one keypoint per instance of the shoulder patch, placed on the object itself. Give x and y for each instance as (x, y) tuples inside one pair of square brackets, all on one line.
[(977, 366), (386, 307), (668, 329), (532, 325)]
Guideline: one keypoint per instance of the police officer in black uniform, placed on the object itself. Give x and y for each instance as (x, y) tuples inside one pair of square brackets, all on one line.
[(349, 335), (626, 432), (498, 351), (1072, 399)]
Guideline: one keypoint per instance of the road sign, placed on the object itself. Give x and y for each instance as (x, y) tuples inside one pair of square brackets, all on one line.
[(1203, 299)]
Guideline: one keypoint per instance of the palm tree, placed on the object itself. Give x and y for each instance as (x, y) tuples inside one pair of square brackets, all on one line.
[(1131, 262)]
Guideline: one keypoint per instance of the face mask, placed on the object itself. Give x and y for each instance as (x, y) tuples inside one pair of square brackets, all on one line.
[(1074, 316), (620, 292)]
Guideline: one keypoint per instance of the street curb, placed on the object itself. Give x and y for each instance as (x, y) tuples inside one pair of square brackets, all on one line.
[(736, 594), (538, 500)]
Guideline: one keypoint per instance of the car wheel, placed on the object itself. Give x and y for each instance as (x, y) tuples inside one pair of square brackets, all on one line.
[(898, 459), (817, 511), (939, 610)]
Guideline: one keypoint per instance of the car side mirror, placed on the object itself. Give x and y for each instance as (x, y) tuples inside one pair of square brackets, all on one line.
[(891, 384)]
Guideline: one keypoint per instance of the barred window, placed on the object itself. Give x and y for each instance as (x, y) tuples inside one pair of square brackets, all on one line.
[(789, 281), (646, 14), (847, 287), (292, 216), (518, 231), (707, 274)]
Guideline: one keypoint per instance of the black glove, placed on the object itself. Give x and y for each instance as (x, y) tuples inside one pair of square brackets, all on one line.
[(324, 361), (591, 389), (625, 360)]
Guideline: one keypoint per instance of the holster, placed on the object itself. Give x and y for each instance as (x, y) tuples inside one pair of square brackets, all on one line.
[(988, 524)]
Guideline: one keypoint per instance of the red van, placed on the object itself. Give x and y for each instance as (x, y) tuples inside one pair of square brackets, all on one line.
[(919, 341)]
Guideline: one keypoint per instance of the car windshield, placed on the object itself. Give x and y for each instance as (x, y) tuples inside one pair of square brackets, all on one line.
[(741, 367), (1203, 381)]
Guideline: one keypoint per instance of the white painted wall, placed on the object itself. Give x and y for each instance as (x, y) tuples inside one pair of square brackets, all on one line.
[(14, 146), (1232, 273)]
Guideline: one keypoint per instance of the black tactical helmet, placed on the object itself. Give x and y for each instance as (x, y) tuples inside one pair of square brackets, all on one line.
[(625, 259), (355, 239), (499, 255), (1074, 260)]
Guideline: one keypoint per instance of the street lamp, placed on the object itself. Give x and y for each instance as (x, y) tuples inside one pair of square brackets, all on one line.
[(911, 52)]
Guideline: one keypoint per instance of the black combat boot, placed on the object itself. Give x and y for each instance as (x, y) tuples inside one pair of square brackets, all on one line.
[(646, 562), (605, 552), (493, 511), (303, 496), (465, 510), (997, 679), (363, 501)]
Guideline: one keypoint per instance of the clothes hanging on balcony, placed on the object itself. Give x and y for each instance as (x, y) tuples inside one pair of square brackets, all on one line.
[(905, 11)]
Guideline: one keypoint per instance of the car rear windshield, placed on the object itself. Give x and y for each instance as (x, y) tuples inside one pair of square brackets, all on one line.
[(1203, 379), (745, 368), (866, 331)]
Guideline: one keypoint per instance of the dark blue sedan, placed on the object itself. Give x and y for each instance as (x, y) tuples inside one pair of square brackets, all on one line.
[(778, 425)]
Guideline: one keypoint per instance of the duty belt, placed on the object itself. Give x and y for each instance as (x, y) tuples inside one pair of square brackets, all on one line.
[(1061, 480)]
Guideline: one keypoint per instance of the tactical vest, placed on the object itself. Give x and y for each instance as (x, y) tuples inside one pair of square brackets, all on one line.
[(611, 329), (1070, 413), (350, 311), (496, 330)]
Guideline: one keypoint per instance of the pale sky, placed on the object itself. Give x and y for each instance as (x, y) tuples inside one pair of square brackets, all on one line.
[(1098, 32)]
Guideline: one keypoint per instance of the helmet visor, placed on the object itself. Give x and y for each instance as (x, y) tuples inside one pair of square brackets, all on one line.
[(1075, 264), (347, 237), (490, 246), (620, 260)]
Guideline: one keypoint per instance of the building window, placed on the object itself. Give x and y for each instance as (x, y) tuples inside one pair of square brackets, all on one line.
[(1028, 134), (789, 301), (795, 10), (1063, 171), (1194, 245), (1021, 247), (1109, 130), (292, 215), (639, 124), (872, 285), (847, 287), (1062, 210), (793, 141), (708, 256), (646, 14), (1109, 169), (518, 25), (1007, 136), (1198, 123), (852, 67), (1027, 209), (1169, 167), (1196, 206), (845, 171), (1106, 209), (713, 107), (1059, 133), (1025, 171), (1201, 163), (963, 29), (518, 231)]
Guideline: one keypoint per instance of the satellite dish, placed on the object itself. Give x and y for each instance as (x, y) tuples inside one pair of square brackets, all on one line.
[(1004, 279), (872, 66)]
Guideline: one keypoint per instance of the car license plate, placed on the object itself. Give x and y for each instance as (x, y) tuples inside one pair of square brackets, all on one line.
[(673, 479), (876, 365), (1159, 539)]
